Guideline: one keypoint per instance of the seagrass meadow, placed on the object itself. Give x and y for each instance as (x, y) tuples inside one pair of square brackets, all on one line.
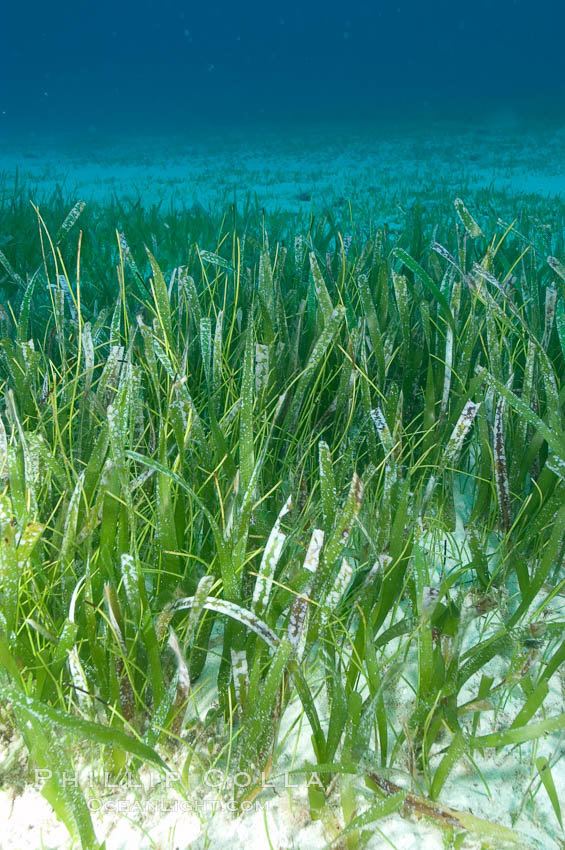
[(282, 497)]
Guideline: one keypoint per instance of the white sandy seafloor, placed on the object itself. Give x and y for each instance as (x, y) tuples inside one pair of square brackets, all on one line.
[(294, 172), (292, 168)]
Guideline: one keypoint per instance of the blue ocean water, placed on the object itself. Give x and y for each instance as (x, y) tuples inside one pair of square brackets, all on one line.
[(70, 63), (85, 73)]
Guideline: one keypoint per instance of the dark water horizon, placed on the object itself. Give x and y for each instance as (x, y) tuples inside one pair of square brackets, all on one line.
[(156, 67)]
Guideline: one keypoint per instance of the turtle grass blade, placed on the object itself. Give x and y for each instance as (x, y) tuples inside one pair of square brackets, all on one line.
[(258, 729), (560, 324), (418, 271), (269, 561), (202, 592), (246, 436), (236, 612), (53, 767), (555, 440), (519, 735), (309, 706), (546, 777), (215, 260), (327, 485), (12, 274), (160, 467), (162, 303), (467, 219), (454, 752), (320, 288), (69, 221), (266, 291), (319, 351), (445, 816), (544, 568), (340, 534), (24, 310), (382, 809), (372, 324), (51, 718)]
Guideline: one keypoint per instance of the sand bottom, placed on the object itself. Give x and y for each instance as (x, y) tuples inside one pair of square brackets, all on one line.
[(295, 168)]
